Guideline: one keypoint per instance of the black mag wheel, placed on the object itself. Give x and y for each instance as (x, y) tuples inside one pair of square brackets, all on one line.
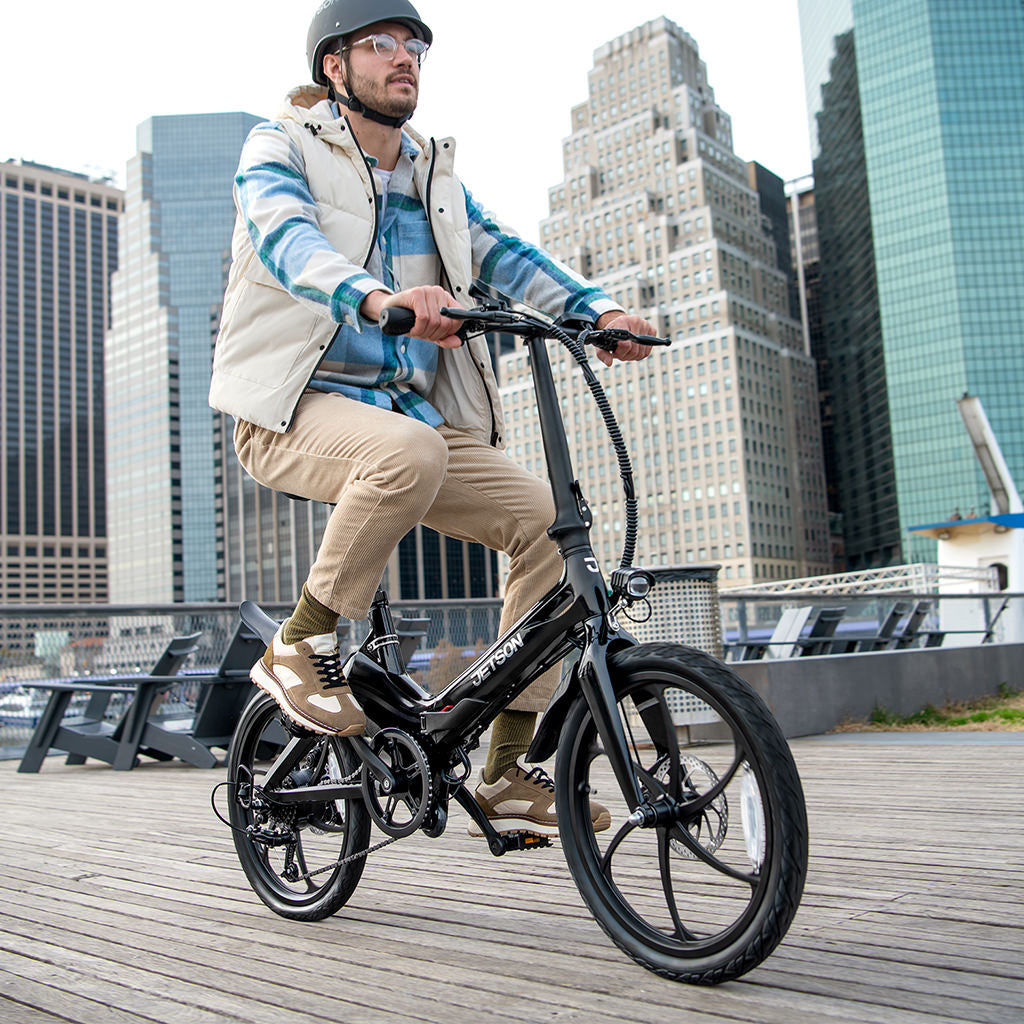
[(706, 899), (284, 849)]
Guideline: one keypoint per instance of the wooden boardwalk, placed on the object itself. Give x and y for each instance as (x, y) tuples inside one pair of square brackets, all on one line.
[(121, 902)]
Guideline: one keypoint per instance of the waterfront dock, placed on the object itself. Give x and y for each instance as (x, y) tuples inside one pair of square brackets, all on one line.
[(121, 902)]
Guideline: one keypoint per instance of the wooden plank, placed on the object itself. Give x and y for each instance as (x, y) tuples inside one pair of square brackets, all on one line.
[(131, 888)]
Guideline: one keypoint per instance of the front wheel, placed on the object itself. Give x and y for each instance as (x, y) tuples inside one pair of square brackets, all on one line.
[(708, 897), (290, 853)]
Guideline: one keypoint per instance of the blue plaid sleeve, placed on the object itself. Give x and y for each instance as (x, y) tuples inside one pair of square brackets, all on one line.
[(526, 273), (280, 216)]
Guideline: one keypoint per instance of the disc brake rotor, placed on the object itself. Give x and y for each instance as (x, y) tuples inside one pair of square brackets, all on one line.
[(710, 828)]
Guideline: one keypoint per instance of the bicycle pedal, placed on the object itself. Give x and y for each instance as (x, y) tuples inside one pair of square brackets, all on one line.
[(525, 840)]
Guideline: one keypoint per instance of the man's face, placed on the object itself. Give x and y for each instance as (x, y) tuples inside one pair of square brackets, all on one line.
[(390, 86)]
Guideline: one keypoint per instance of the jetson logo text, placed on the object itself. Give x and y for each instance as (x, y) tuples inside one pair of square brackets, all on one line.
[(499, 657)]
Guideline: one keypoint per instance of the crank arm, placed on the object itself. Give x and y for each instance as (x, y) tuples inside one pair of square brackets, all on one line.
[(499, 843), (377, 768), (465, 800)]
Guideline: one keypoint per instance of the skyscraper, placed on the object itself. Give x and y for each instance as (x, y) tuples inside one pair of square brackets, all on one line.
[(175, 244), (937, 93), (859, 459), (58, 248), (805, 295), (820, 22), (805, 256), (657, 208)]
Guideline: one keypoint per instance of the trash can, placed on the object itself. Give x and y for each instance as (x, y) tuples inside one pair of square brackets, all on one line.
[(684, 608)]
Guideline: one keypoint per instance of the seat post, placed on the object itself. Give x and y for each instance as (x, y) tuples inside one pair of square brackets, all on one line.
[(383, 643)]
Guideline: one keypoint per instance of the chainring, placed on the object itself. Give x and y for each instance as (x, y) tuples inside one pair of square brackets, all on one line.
[(402, 811)]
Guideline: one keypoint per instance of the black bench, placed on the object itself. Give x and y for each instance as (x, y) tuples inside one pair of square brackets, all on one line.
[(90, 734), (222, 699)]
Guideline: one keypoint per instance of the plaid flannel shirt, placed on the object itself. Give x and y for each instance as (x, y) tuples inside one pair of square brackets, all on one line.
[(362, 362)]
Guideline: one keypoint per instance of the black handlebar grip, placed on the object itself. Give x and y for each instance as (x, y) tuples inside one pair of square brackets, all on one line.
[(395, 320)]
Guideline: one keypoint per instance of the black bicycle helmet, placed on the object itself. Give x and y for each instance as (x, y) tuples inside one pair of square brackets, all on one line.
[(336, 18)]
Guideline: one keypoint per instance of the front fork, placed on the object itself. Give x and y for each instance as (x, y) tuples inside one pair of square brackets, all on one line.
[(592, 669), (596, 684)]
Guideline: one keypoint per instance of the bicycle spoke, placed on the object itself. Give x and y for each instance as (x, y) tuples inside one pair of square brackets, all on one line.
[(665, 866), (695, 807), (300, 860), (628, 729), (606, 860), (680, 833)]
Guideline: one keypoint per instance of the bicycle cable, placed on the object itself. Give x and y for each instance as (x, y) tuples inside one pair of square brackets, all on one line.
[(578, 352)]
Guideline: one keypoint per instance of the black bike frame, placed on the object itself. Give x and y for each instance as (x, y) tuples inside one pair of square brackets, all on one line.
[(575, 615)]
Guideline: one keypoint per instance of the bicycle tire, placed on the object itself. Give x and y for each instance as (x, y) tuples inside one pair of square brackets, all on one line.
[(752, 871), (326, 833)]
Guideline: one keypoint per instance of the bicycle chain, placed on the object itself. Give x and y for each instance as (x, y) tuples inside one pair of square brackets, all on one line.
[(307, 875)]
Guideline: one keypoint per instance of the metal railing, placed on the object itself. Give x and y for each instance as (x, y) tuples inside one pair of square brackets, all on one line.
[(859, 622), (71, 641), (890, 578), (47, 642)]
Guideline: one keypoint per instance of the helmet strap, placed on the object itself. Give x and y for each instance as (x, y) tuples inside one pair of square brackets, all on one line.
[(358, 107)]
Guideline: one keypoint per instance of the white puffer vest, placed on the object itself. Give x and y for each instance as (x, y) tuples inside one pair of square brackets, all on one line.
[(269, 344)]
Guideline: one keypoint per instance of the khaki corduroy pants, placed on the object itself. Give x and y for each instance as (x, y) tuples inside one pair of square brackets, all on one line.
[(384, 472)]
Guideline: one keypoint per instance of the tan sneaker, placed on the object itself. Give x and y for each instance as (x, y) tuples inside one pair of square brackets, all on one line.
[(305, 679), (524, 800)]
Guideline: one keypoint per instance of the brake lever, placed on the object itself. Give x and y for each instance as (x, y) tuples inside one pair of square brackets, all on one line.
[(617, 334), (608, 338)]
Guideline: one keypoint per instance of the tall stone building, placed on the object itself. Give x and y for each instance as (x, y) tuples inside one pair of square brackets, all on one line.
[(723, 426), (58, 249)]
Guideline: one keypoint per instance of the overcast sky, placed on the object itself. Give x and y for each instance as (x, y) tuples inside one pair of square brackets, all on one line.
[(77, 78)]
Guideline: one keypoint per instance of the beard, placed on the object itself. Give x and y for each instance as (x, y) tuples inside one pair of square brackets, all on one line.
[(371, 94)]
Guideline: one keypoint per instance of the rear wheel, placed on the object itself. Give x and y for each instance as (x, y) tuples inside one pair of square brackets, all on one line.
[(708, 897), (289, 852)]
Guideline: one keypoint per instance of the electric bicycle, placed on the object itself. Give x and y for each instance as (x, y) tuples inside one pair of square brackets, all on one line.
[(702, 869)]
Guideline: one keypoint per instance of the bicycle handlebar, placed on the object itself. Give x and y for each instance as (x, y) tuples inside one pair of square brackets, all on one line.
[(396, 320)]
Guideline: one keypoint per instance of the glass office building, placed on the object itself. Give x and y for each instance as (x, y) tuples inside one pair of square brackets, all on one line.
[(175, 248), (58, 249), (850, 352), (820, 22), (942, 95), (939, 93)]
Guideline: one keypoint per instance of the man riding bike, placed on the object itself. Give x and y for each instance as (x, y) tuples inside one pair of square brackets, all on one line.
[(344, 210)]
